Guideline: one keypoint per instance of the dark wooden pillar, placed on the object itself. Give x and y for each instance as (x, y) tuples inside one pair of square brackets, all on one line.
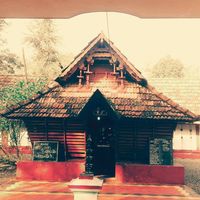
[(64, 139), (134, 128), (115, 135), (197, 127), (46, 128)]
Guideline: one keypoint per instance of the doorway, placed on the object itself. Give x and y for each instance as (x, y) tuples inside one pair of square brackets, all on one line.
[(102, 133)]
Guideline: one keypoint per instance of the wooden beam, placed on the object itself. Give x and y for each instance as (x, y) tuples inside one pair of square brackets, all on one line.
[(70, 8)]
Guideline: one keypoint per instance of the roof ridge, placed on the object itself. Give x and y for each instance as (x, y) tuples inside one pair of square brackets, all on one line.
[(99, 36), (171, 102)]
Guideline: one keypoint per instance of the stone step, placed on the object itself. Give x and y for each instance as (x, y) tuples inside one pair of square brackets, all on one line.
[(111, 191), (143, 197)]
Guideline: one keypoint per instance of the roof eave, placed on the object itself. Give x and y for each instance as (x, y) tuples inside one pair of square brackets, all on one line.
[(190, 115)]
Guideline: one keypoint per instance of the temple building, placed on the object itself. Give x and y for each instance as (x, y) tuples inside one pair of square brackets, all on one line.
[(105, 117)]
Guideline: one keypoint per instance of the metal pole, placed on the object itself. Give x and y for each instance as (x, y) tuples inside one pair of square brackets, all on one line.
[(25, 66)]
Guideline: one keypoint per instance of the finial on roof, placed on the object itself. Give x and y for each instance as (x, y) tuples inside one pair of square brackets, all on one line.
[(102, 34)]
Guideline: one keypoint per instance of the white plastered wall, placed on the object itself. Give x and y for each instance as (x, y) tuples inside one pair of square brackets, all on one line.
[(185, 137)]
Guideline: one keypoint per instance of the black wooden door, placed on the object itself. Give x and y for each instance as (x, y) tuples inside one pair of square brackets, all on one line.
[(103, 141)]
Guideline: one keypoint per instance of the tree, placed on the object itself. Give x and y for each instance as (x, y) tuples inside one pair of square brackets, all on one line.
[(167, 67), (2, 26), (9, 62), (10, 96), (43, 39)]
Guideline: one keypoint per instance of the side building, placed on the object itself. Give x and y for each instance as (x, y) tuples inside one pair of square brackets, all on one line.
[(186, 92)]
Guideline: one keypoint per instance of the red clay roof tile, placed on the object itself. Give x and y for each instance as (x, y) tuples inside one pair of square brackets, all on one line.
[(132, 100), (149, 105)]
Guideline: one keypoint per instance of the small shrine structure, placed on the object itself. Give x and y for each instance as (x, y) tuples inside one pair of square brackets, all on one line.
[(101, 116)]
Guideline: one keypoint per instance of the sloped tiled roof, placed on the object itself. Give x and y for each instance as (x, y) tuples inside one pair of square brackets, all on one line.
[(184, 91), (132, 101)]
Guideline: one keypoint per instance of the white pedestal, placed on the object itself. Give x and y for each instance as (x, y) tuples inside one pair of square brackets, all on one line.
[(85, 195), (85, 189)]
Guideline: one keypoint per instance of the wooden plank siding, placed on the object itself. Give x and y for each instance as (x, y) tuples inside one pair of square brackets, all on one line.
[(76, 144), (69, 133), (132, 136), (75, 139)]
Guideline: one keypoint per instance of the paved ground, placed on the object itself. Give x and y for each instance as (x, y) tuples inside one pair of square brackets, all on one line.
[(192, 172), (12, 190), (59, 191)]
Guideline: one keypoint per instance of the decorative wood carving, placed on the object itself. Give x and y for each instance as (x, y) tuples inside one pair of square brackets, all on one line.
[(89, 157), (121, 68), (80, 77), (89, 62), (115, 64)]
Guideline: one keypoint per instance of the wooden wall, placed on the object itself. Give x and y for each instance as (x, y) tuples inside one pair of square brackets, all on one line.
[(132, 136), (70, 134)]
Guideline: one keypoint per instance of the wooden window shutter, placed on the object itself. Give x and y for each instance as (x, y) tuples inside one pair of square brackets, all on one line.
[(76, 144)]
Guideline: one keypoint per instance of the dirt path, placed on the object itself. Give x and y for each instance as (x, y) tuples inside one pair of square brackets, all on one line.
[(7, 175), (192, 172)]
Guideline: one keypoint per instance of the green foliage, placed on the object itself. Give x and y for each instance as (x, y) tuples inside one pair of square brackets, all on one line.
[(43, 39), (168, 68), (14, 130), (9, 62), (12, 95)]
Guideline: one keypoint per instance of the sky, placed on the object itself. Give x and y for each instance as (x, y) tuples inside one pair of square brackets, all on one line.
[(142, 41)]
